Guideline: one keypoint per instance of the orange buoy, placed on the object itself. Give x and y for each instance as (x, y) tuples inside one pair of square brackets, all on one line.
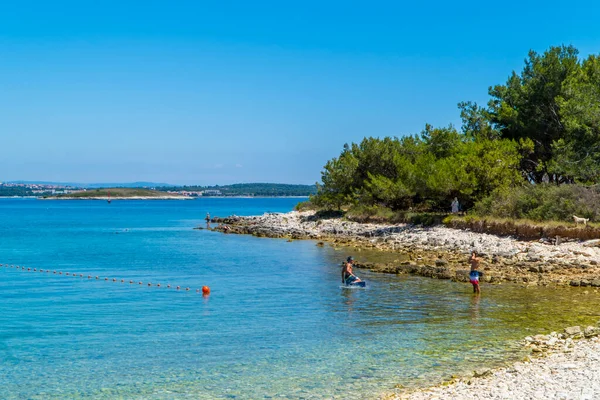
[(205, 290)]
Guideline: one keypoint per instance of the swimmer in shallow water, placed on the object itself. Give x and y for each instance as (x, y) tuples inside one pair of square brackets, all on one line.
[(348, 276)]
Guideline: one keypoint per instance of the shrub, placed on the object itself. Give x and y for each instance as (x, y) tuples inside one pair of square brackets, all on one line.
[(304, 206), (542, 202), (369, 213)]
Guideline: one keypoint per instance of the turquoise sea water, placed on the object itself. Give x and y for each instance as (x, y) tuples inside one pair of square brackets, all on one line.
[(277, 323)]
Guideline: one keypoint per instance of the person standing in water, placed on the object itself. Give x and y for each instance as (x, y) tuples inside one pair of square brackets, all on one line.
[(348, 276), (475, 273)]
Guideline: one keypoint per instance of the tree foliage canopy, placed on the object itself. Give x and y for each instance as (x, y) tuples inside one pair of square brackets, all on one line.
[(426, 170), (542, 125), (553, 105)]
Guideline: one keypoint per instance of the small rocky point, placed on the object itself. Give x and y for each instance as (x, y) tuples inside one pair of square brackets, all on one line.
[(436, 252)]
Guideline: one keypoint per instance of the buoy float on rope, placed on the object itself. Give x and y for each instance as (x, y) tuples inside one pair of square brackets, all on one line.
[(205, 289)]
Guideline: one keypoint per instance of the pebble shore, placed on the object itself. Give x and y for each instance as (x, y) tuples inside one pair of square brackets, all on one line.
[(570, 373)]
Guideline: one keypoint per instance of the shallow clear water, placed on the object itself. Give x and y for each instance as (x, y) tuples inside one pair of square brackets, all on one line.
[(277, 323)]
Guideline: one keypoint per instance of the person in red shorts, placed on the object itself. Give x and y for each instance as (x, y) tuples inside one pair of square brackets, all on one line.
[(474, 274)]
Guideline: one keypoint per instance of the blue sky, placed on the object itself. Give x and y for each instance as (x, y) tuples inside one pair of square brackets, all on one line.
[(197, 92)]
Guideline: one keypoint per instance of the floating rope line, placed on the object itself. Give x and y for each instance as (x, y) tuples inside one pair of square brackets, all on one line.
[(205, 289)]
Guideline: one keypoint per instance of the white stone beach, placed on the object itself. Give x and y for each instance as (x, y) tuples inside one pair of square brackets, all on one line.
[(569, 374)]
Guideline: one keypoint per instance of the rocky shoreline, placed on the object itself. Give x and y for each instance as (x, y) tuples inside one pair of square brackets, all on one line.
[(437, 252)]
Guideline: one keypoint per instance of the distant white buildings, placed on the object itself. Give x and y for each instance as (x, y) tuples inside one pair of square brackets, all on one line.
[(211, 192), (196, 193)]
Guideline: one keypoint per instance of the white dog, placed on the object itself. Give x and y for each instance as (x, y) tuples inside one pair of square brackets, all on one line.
[(578, 220)]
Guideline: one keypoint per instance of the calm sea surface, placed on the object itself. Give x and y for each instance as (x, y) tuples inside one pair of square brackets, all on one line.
[(277, 323)]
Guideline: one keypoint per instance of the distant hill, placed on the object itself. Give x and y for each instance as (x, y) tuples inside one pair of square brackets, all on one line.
[(250, 189), (95, 185), (114, 193), (30, 188), (127, 185)]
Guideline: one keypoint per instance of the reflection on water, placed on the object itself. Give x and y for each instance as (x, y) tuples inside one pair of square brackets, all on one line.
[(474, 311)]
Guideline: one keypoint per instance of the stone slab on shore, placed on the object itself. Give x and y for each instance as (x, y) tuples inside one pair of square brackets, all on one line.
[(439, 251)]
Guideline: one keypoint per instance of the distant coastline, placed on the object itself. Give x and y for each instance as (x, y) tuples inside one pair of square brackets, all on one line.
[(118, 198), (242, 190), (105, 198)]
